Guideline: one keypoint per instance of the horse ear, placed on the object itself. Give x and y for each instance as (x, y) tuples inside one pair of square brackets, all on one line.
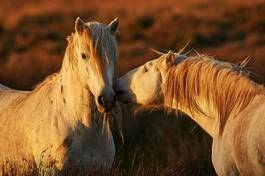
[(170, 59), (113, 26), (79, 25)]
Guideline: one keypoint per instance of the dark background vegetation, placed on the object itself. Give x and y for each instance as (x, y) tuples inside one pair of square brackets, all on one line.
[(33, 39)]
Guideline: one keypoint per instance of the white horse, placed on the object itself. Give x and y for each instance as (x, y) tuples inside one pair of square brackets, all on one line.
[(60, 123), (216, 95)]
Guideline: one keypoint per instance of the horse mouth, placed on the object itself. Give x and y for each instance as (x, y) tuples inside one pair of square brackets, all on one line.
[(124, 96), (104, 108), (106, 102)]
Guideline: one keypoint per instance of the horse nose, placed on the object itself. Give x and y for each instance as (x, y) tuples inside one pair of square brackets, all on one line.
[(107, 101)]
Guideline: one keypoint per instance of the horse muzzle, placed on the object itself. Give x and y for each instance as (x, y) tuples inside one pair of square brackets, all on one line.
[(106, 101), (123, 94)]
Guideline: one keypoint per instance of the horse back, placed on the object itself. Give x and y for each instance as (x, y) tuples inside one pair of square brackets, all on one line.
[(10, 97)]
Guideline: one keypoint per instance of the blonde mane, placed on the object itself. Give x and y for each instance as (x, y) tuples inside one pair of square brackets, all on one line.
[(223, 85), (102, 40)]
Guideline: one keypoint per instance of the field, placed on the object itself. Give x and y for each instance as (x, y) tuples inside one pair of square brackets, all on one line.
[(33, 40)]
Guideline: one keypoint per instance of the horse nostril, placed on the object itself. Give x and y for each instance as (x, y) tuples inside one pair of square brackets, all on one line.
[(107, 101), (101, 100)]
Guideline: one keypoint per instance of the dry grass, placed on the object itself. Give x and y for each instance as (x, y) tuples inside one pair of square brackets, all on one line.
[(32, 43), (154, 145)]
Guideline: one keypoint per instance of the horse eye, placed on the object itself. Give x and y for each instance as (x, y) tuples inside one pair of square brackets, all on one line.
[(83, 56)]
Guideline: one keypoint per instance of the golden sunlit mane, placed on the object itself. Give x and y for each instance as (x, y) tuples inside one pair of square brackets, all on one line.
[(102, 40), (47, 80), (223, 85), (70, 52)]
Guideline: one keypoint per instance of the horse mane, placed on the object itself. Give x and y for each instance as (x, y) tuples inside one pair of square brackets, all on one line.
[(222, 84), (103, 41), (46, 81)]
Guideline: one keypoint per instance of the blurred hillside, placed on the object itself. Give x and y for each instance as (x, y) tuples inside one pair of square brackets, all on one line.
[(32, 33), (33, 40)]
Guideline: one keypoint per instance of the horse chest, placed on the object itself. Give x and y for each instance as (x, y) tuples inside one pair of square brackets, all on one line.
[(238, 151), (86, 148), (222, 160)]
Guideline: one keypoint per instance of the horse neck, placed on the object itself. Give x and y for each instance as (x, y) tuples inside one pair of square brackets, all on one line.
[(210, 119), (209, 92), (76, 97), (206, 122), (211, 111)]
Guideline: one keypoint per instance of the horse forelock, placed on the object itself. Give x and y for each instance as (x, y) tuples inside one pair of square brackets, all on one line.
[(103, 42), (103, 46), (223, 85)]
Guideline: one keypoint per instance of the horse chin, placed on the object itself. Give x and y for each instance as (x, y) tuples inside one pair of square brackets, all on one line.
[(102, 109), (124, 96)]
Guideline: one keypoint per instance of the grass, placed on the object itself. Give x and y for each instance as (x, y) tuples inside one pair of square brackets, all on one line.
[(32, 44), (155, 145)]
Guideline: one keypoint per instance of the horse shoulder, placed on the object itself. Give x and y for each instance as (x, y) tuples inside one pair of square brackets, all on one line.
[(256, 137), (242, 142), (52, 148)]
